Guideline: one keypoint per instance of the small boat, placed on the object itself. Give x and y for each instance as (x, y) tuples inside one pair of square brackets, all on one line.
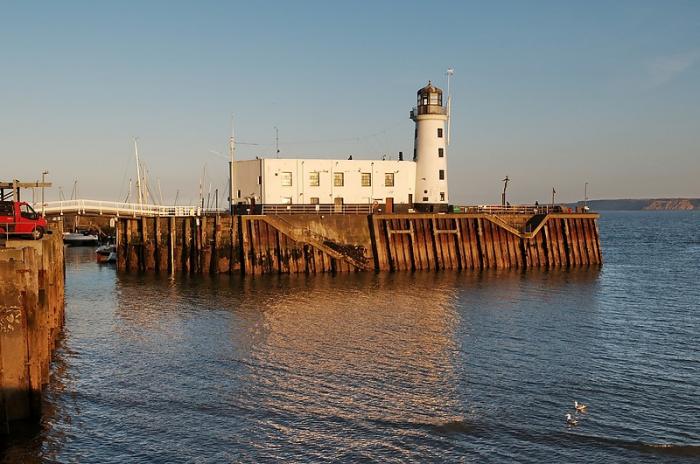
[(106, 254), (80, 239)]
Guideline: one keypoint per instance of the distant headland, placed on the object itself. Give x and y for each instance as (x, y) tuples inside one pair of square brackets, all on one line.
[(649, 204)]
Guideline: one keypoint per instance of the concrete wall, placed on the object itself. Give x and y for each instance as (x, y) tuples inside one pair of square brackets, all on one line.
[(247, 182), (31, 318)]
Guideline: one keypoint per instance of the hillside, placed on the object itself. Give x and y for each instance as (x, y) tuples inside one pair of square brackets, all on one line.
[(652, 204)]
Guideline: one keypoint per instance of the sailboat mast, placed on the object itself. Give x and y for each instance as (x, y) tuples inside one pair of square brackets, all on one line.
[(160, 192), (138, 171)]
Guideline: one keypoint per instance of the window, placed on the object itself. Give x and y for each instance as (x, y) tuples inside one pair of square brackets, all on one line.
[(27, 212), (442, 196), (338, 179), (366, 179), (389, 179), (286, 179), (425, 198), (440, 132), (314, 200), (314, 179), (442, 174), (286, 200), (441, 152), (239, 193), (259, 180)]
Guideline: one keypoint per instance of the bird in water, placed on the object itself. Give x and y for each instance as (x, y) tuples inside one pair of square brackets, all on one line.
[(580, 407), (570, 420)]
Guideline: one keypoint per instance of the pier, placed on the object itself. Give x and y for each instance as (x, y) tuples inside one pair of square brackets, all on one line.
[(256, 244), (31, 318)]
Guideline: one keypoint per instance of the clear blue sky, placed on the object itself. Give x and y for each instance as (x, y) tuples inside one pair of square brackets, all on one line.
[(550, 93)]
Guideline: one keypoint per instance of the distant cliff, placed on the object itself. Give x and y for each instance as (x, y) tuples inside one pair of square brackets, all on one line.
[(675, 204)]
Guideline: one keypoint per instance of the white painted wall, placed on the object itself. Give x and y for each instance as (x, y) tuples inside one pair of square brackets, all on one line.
[(245, 181), (272, 172), (428, 162)]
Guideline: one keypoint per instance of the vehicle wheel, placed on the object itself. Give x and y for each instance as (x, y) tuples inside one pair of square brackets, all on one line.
[(37, 233)]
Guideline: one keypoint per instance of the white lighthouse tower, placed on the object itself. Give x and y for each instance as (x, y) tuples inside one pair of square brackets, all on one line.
[(430, 150)]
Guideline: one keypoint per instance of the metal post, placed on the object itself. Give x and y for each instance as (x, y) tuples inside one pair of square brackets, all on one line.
[(450, 72), (43, 203), (232, 151)]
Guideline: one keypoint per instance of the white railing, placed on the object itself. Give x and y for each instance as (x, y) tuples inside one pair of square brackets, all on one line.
[(317, 209), (113, 208)]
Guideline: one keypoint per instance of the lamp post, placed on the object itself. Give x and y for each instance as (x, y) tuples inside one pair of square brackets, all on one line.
[(43, 204)]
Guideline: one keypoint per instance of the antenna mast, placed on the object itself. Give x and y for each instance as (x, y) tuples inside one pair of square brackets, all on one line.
[(277, 142), (450, 72)]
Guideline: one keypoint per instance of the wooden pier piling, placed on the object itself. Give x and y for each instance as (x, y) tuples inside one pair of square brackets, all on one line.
[(283, 244)]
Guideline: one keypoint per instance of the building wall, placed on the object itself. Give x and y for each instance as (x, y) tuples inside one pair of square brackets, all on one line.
[(247, 183), (429, 186), (278, 174)]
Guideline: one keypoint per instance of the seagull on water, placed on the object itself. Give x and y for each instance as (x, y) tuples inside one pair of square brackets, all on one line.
[(570, 420), (580, 407)]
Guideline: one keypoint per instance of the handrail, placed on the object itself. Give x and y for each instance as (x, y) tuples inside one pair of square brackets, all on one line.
[(326, 208), (100, 207), (511, 209)]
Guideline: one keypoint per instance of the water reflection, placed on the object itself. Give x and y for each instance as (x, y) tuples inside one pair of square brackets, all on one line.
[(328, 359), (391, 367)]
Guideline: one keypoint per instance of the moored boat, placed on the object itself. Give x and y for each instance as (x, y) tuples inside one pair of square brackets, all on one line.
[(80, 239), (106, 254)]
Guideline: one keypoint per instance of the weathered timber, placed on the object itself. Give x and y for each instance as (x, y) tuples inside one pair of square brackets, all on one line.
[(31, 319), (271, 244)]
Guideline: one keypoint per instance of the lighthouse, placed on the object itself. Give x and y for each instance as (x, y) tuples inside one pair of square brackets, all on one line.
[(430, 150)]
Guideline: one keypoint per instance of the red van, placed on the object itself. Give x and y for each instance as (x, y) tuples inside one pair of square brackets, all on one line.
[(19, 218)]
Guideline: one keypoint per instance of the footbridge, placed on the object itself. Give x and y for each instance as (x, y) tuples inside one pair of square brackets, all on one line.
[(116, 209)]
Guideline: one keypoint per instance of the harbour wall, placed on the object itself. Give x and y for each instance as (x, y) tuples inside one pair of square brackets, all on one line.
[(31, 318), (296, 243)]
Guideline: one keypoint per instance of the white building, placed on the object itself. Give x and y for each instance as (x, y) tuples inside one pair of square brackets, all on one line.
[(321, 181), (421, 182)]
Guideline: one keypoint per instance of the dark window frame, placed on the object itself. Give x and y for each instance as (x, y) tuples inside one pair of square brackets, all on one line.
[(389, 175), (366, 176)]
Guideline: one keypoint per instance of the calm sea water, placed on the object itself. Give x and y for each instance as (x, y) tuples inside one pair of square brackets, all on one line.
[(447, 367)]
